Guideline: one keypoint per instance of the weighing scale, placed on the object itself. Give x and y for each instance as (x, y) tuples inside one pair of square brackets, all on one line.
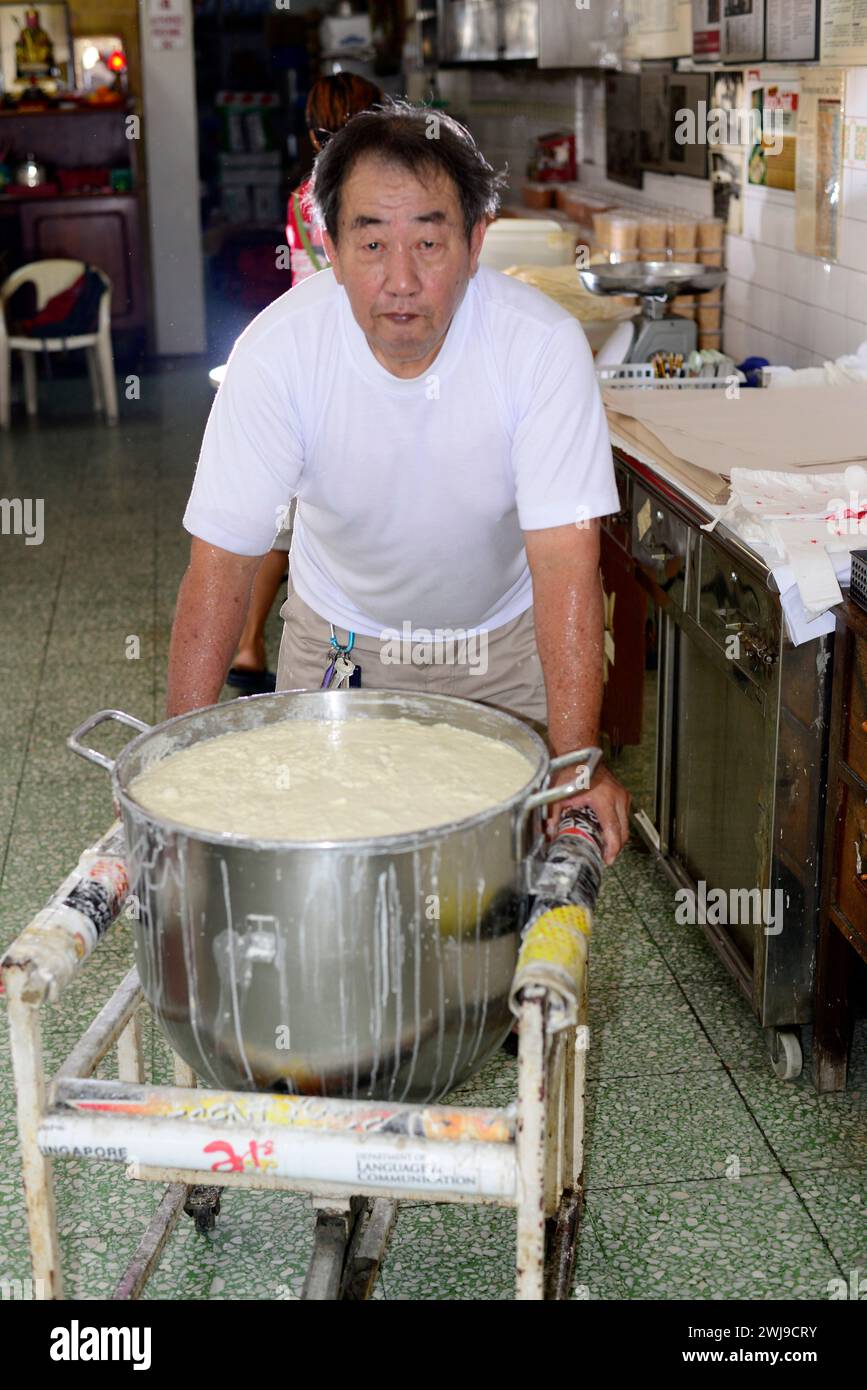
[(655, 283)]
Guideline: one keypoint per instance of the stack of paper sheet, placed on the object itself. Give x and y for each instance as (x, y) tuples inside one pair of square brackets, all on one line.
[(700, 436)]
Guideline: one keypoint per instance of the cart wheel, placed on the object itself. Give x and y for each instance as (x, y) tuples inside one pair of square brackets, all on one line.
[(203, 1205), (787, 1058)]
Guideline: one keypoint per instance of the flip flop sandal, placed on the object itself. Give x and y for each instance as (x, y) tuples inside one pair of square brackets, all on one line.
[(252, 682)]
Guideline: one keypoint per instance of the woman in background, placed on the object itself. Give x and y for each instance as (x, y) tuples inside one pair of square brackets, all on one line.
[(332, 102)]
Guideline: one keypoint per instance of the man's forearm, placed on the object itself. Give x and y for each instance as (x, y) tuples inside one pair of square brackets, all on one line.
[(570, 634), (211, 608), (569, 616)]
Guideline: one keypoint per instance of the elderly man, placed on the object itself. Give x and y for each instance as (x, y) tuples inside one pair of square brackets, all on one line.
[(441, 428)]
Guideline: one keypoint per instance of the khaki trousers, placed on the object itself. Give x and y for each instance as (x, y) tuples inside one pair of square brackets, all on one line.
[(500, 668)]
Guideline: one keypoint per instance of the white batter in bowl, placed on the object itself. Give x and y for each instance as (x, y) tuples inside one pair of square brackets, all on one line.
[(332, 779)]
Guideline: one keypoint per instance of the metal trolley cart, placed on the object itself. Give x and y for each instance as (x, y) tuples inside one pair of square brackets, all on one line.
[(356, 1159)]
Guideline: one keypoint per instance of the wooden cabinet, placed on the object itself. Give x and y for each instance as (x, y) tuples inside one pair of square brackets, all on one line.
[(843, 933), (104, 231)]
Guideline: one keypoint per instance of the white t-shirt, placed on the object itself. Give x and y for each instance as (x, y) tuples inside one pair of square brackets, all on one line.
[(412, 495)]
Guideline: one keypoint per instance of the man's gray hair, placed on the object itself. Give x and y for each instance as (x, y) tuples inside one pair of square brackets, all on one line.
[(414, 138)]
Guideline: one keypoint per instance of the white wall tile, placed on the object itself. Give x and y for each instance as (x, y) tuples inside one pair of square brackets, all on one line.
[(856, 91), (854, 336), (737, 297), (837, 284), (857, 301), (832, 334), (795, 321), (855, 195), (753, 209), (741, 257), (734, 337), (853, 244), (799, 278), (765, 309)]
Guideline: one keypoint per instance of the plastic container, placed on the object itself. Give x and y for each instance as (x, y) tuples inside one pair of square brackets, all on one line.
[(566, 193), (652, 232), (527, 241), (711, 233), (616, 234), (681, 232), (539, 195)]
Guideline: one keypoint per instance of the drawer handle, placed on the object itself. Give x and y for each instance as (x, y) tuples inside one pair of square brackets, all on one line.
[(732, 619), (860, 869), (759, 650)]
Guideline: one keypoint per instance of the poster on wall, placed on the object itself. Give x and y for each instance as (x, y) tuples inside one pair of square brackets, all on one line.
[(844, 32), (706, 29), (728, 158), (792, 33), (743, 31), (773, 110), (820, 162), (658, 29), (167, 21)]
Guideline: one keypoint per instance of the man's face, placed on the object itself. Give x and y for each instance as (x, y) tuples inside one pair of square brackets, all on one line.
[(403, 259)]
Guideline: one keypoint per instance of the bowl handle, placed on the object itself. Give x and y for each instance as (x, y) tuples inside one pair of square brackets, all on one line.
[(91, 754), (548, 796)]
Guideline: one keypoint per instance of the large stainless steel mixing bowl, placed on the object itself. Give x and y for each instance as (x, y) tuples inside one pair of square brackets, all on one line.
[(372, 968)]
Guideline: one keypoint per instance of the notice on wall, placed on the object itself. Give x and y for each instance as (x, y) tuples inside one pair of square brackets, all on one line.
[(743, 31), (844, 32), (819, 162), (167, 22), (773, 110), (792, 31), (706, 29), (658, 28)]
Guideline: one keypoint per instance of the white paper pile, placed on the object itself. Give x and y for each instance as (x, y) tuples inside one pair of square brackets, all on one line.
[(809, 521)]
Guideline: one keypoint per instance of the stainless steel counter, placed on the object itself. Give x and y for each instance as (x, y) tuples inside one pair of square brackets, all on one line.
[(718, 725)]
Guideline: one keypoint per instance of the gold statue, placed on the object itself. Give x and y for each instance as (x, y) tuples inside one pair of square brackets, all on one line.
[(34, 54)]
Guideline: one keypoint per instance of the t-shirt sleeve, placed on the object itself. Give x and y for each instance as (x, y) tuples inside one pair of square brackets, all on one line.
[(251, 458), (561, 450)]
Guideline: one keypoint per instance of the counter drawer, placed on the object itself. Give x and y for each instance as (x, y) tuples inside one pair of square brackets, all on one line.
[(738, 613), (852, 882), (855, 737), (660, 544)]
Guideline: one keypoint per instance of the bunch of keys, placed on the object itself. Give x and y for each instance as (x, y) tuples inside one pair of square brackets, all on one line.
[(342, 672)]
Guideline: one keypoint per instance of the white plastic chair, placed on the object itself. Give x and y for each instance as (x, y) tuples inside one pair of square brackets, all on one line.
[(52, 277)]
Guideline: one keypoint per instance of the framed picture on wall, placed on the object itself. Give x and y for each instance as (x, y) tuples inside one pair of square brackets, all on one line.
[(35, 46)]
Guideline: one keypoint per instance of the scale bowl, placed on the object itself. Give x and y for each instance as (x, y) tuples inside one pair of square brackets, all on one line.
[(652, 279)]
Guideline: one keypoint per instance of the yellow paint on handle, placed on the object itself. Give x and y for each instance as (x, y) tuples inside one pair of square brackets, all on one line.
[(559, 937)]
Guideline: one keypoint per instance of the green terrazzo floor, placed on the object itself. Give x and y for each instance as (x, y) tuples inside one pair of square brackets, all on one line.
[(706, 1176)]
